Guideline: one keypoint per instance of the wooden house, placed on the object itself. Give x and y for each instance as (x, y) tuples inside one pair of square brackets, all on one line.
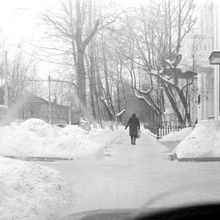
[(36, 107)]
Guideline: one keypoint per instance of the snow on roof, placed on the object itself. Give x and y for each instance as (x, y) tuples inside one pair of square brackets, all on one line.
[(3, 107)]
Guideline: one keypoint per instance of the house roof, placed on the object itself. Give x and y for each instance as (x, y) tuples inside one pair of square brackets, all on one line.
[(187, 74), (34, 98), (214, 58), (3, 107), (30, 97)]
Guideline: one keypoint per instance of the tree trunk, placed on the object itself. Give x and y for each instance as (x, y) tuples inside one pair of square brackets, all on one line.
[(173, 104), (118, 95), (91, 78), (81, 46), (185, 105), (81, 77), (99, 95), (108, 93)]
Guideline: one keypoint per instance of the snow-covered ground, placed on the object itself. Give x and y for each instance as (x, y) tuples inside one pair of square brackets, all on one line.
[(177, 135), (35, 192), (36, 138), (202, 142), (30, 191), (129, 176)]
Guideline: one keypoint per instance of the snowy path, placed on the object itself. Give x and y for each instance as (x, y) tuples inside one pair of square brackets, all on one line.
[(128, 176)]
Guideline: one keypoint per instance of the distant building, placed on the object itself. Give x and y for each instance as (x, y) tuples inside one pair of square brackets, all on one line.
[(33, 106), (209, 80), (197, 48), (206, 86), (216, 38)]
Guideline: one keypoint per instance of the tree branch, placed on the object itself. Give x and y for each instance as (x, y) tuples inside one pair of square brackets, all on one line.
[(92, 33)]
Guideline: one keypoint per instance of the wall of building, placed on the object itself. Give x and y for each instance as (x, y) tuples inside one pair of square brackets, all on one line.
[(206, 95), (36, 107), (205, 42), (216, 22)]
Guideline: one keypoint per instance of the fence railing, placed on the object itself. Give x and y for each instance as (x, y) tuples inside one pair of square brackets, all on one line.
[(159, 132), (165, 130)]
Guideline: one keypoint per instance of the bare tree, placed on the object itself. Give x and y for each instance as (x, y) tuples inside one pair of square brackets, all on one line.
[(20, 67), (71, 26), (143, 42), (156, 39)]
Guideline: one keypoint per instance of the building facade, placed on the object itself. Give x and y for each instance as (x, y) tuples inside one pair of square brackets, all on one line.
[(209, 82), (216, 39), (198, 47), (37, 107)]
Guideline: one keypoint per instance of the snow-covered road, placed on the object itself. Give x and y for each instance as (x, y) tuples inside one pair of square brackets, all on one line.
[(129, 176)]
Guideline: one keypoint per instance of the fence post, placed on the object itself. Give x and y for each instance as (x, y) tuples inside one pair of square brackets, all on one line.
[(157, 133)]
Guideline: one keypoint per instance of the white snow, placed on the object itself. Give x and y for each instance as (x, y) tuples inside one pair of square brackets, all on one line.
[(147, 132), (127, 177), (30, 191), (121, 112), (177, 135), (131, 176), (143, 98), (203, 141), (36, 138), (168, 61)]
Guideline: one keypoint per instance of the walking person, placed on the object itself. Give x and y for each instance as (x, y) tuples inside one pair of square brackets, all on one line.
[(134, 126)]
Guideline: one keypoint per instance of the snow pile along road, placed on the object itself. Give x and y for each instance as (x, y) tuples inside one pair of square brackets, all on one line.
[(36, 138), (177, 135), (203, 142), (30, 191)]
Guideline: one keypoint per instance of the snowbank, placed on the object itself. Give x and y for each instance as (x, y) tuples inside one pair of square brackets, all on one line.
[(203, 141), (177, 135), (145, 131), (30, 191), (36, 138)]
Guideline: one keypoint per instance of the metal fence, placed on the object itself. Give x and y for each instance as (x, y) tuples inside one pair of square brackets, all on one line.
[(159, 132), (165, 130)]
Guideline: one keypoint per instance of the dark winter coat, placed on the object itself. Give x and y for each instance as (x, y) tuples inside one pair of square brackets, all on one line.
[(134, 126)]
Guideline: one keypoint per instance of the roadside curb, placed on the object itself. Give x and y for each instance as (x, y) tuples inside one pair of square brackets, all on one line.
[(43, 159), (200, 159)]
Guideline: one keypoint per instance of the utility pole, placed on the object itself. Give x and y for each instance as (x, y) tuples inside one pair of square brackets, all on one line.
[(70, 106), (49, 80), (70, 113), (50, 107), (6, 77)]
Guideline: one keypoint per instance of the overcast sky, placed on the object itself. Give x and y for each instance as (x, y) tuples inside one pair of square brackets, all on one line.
[(18, 18), (17, 24)]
